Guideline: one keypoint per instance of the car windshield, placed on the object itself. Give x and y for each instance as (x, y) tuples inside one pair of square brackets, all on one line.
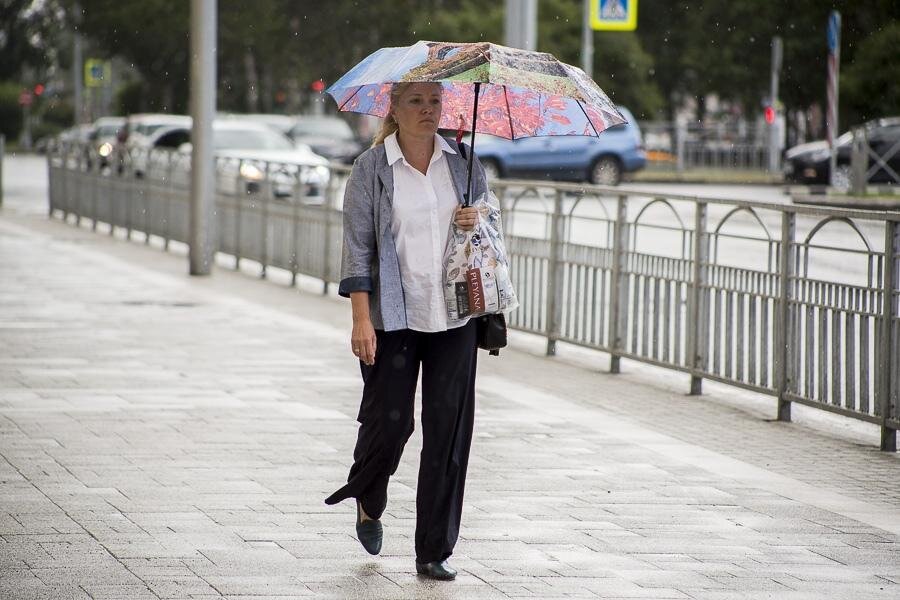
[(108, 130), (148, 128), (332, 128), (250, 139)]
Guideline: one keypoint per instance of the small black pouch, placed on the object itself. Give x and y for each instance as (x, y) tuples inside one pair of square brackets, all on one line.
[(491, 332)]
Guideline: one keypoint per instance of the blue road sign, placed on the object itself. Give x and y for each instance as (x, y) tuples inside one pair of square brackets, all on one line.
[(834, 30)]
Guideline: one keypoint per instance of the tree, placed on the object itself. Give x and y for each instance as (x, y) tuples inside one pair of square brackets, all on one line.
[(870, 86), (29, 34), (152, 35), (621, 67)]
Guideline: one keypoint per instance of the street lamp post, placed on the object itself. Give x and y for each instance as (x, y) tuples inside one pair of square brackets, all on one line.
[(203, 107)]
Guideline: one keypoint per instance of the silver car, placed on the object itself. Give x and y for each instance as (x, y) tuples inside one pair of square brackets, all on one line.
[(251, 159)]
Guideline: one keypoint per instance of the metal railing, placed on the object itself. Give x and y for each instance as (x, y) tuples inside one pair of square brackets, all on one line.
[(870, 163), (797, 302), (680, 145)]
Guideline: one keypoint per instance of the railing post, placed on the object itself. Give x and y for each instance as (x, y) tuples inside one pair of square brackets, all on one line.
[(680, 134), (295, 231), (888, 313), (698, 318), (265, 192), (859, 162), (170, 193), (783, 325), (555, 288), (239, 197), (618, 297), (2, 152), (327, 203)]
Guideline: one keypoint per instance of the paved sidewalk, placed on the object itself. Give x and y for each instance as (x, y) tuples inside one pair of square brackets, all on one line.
[(163, 436)]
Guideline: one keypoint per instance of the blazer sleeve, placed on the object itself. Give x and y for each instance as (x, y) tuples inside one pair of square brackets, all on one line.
[(359, 246)]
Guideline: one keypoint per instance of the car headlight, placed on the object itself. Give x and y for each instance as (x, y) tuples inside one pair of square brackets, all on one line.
[(105, 149), (820, 155), (315, 175), (251, 172)]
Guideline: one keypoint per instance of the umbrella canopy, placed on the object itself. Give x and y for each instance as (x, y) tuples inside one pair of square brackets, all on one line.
[(520, 93)]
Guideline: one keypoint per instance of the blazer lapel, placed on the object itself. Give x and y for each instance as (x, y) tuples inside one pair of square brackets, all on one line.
[(385, 200), (459, 174)]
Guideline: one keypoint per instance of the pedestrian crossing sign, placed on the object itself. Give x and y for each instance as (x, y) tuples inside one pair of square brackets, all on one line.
[(96, 72), (614, 15)]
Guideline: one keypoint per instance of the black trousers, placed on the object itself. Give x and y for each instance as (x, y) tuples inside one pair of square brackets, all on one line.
[(386, 417)]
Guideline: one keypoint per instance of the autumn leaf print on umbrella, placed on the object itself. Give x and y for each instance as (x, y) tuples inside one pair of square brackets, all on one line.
[(487, 88)]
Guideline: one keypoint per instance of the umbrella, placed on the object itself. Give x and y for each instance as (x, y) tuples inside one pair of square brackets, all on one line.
[(486, 88)]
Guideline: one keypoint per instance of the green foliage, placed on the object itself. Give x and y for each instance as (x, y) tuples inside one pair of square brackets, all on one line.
[(130, 97), (58, 113), (870, 86), (680, 49), (621, 66), (10, 111), (150, 34)]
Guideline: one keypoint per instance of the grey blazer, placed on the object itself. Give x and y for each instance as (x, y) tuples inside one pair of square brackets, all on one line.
[(369, 260)]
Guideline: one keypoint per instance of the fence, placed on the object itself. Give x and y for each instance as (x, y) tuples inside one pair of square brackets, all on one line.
[(680, 145), (872, 160), (800, 303)]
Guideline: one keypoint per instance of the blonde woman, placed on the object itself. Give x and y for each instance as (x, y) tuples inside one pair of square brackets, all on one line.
[(401, 197)]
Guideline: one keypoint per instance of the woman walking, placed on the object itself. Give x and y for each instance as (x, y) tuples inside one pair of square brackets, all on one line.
[(401, 198)]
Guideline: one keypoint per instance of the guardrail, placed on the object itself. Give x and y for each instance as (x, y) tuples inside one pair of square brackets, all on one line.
[(679, 146), (796, 302)]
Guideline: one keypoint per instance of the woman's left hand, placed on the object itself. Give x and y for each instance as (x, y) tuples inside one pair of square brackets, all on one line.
[(466, 218)]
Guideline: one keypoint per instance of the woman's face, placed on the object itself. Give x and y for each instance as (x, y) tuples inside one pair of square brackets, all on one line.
[(418, 109)]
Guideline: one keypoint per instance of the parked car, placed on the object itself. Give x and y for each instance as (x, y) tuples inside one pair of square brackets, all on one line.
[(246, 150), (332, 137), (810, 163), (281, 123), (139, 127), (600, 160)]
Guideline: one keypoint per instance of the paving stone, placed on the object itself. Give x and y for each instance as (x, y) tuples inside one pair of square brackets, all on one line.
[(170, 437)]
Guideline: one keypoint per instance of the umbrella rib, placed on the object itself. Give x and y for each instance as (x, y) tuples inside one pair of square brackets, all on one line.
[(353, 95), (512, 134), (591, 123)]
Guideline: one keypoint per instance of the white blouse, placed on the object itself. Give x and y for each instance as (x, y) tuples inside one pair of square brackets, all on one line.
[(423, 207)]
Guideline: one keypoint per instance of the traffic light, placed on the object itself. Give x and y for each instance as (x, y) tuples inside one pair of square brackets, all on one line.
[(770, 115), (38, 89), (318, 85)]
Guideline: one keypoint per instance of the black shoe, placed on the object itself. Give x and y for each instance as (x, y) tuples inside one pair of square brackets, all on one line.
[(438, 569), (369, 532)]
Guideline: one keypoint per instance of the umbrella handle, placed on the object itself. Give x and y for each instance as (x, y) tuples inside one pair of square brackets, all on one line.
[(468, 194)]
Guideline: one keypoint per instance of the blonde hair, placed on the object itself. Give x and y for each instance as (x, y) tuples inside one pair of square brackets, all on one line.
[(389, 124)]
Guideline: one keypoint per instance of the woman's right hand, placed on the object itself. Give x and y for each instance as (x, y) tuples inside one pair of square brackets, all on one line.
[(362, 341)]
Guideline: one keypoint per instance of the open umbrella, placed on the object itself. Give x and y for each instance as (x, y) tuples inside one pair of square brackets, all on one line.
[(487, 88)]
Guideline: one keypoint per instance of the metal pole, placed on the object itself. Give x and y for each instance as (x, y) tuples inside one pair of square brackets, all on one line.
[(520, 25), (555, 291), (859, 162), (78, 69), (203, 107), (2, 152), (783, 326), (618, 298), (889, 283), (587, 41), (834, 65), (774, 129), (698, 319)]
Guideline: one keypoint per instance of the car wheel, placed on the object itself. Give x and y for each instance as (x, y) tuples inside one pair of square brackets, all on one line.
[(606, 170), (491, 168)]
